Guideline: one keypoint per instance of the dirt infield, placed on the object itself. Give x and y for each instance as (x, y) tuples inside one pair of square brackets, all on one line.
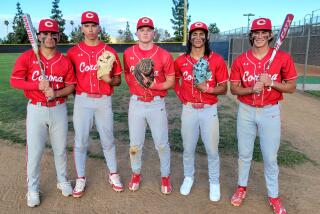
[(300, 186)]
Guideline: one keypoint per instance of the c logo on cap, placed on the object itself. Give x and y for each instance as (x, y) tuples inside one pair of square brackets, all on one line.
[(198, 24), (48, 24), (145, 20), (89, 15), (261, 22)]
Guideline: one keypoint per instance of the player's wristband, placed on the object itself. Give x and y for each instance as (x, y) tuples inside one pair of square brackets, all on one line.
[(272, 83), (157, 86)]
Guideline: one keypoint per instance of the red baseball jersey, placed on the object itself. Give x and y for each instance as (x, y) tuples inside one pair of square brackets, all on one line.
[(246, 69), (184, 70), (163, 66), (26, 71), (84, 58)]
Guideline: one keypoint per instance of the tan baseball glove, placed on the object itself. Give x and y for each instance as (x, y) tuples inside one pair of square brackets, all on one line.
[(105, 63)]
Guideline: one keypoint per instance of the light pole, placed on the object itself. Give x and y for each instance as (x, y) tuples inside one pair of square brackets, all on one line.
[(248, 15), (185, 8)]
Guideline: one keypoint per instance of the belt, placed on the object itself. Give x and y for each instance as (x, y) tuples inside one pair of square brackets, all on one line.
[(90, 95), (48, 104), (266, 106), (198, 105), (146, 98)]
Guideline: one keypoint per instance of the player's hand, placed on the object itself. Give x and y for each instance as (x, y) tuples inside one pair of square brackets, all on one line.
[(202, 86), (266, 79), (49, 93), (258, 87), (106, 78), (43, 84)]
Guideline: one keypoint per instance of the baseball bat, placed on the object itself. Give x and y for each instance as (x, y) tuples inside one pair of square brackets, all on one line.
[(34, 43), (281, 36)]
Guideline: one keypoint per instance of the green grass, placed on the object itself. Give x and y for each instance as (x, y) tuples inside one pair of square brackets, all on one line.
[(314, 93), (13, 113), (309, 80)]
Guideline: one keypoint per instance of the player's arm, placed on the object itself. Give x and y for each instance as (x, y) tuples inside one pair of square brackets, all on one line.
[(288, 86), (169, 83), (237, 89), (116, 80), (68, 89), (219, 89)]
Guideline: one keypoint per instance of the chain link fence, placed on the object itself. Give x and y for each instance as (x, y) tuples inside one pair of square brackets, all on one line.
[(303, 44)]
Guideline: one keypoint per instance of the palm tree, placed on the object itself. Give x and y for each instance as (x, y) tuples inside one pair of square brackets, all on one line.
[(6, 22)]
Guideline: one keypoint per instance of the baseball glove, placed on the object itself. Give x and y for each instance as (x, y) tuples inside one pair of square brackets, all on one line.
[(144, 72), (201, 71), (105, 63)]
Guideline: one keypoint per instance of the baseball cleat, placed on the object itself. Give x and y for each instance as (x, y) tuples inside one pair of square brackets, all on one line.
[(277, 206), (33, 199), (186, 186), (134, 184), (238, 196), (166, 187), (114, 180), (79, 189), (214, 193), (65, 188)]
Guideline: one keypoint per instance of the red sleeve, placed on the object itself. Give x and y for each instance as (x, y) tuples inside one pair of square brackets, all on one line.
[(117, 68), (288, 70), (168, 65), (235, 71), (222, 74), (126, 68), (70, 77), (177, 87), (20, 73)]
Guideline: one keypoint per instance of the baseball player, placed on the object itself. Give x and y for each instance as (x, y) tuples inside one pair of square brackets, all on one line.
[(259, 92), (147, 105), (93, 101), (45, 116), (199, 112)]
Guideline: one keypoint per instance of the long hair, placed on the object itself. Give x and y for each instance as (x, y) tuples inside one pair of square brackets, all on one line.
[(207, 49)]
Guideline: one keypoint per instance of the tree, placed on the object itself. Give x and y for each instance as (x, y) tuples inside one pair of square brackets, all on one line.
[(161, 35), (104, 36), (178, 19), (120, 38), (76, 35), (57, 15), (72, 23), (127, 35), (19, 34), (6, 23), (213, 29)]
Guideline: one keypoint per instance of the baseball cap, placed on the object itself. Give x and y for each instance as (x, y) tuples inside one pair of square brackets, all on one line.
[(261, 24), (198, 26), (48, 25), (145, 22), (89, 16)]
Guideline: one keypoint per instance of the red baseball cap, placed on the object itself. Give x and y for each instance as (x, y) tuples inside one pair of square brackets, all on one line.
[(48, 25), (89, 16), (261, 24), (198, 26), (145, 22)]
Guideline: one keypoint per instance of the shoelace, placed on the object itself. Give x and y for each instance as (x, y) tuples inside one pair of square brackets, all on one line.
[(240, 193), (115, 178), (135, 178), (80, 184), (32, 194), (65, 184), (165, 181)]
